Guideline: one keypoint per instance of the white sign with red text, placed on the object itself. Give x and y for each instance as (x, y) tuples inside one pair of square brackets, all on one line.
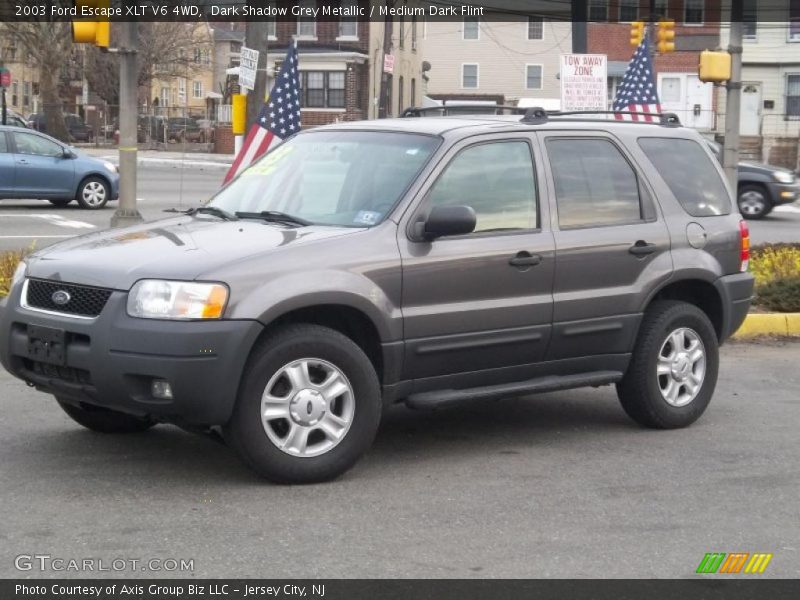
[(584, 83)]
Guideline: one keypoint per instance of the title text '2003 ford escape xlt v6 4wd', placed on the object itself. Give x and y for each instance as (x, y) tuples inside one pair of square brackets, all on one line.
[(423, 260)]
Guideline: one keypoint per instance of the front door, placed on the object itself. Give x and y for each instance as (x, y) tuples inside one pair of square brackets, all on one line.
[(6, 168), (478, 307), (42, 171), (612, 245), (750, 120)]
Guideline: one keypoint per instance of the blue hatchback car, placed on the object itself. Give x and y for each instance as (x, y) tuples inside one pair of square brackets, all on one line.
[(35, 165)]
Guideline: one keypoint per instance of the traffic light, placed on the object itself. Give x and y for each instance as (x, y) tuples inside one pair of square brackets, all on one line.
[(666, 36), (637, 32), (89, 31), (715, 66)]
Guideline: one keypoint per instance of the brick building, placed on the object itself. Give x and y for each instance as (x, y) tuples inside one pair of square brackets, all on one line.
[(697, 27)]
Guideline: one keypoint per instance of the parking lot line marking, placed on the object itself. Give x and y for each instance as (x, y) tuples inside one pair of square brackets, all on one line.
[(787, 208), (57, 220), (38, 237)]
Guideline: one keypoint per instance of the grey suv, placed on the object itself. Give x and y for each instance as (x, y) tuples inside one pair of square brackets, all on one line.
[(419, 260)]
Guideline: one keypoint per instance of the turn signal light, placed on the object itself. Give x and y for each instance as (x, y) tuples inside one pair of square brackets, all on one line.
[(744, 246)]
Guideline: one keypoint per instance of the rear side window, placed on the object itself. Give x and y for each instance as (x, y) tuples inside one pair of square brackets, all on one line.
[(3, 144), (691, 176), (595, 185)]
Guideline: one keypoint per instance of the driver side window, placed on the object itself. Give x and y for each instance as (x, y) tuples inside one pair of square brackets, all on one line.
[(28, 143), (497, 180)]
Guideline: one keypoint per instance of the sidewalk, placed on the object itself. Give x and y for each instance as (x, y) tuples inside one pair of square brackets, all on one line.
[(174, 159)]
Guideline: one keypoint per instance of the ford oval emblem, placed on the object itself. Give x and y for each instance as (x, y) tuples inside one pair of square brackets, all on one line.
[(61, 297)]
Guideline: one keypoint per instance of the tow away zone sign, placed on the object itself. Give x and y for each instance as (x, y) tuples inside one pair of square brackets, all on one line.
[(584, 82)]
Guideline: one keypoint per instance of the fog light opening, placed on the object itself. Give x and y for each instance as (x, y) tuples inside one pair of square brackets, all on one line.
[(161, 389)]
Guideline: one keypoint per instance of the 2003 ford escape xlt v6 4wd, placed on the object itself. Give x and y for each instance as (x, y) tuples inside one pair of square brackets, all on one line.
[(418, 260)]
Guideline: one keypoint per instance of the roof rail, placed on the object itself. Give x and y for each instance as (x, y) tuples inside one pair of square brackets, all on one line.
[(536, 115), (446, 109)]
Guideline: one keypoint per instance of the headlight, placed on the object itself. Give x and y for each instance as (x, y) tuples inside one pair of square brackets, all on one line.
[(110, 166), (19, 274), (783, 176), (157, 299)]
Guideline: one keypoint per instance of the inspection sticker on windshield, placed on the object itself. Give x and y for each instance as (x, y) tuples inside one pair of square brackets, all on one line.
[(367, 217)]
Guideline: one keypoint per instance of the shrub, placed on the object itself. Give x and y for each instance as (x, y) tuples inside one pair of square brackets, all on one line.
[(8, 264), (780, 295), (772, 262)]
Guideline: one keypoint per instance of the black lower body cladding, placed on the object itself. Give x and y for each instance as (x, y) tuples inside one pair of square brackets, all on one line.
[(112, 360), (736, 292)]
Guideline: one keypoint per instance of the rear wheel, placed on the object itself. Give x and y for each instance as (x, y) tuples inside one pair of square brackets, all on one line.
[(673, 370), (308, 408), (753, 202), (105, 420), (93, 193)]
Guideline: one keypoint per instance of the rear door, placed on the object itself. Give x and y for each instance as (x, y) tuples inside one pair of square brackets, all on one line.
[(42, 171), (612, 244), (6, 168), (482, 302)]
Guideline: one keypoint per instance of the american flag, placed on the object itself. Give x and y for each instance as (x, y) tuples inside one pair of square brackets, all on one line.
[(279, 117), (638, 92)]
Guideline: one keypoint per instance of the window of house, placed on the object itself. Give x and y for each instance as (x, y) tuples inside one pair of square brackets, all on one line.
[(29, 143), (15, 94), (307, 26), (598, 10), (533, 77), (628, 10), (414, 33), (400, 99), (670, 89), (323, 89), (182, 89), (197, 89), (594, 183), (348, 25), (535, 28), (793, 95), (236, 47), (26, 93), (749, 19), (496, 180), (662, 8), (694, 12), (794, 21), (472, 28), (165, 96), (402, 36), (692, 177), (272, 27), (469, 76), (413, 95), (198, 55)]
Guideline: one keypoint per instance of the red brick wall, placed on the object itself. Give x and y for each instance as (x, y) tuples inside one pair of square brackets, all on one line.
[(223, 140)]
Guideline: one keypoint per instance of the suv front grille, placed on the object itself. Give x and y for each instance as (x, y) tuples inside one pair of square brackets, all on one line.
[(82, 300)]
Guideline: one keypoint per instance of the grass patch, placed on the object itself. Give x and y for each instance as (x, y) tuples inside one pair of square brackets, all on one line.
[(8, 264), (770, 262)]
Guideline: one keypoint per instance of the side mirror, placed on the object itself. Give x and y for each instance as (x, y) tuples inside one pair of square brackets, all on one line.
[(68, 153), (448, 220)]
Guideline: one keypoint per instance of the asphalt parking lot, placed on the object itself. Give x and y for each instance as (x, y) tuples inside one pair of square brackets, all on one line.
[(558, 485)]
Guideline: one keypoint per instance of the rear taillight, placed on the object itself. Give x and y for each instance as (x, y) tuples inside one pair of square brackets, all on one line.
[(744, 246)]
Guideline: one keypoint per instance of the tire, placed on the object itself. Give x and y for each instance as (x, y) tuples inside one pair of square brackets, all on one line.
[(60, 202), (93, 193), (293, 447), (105, 420), (644, 393), (754, 202)]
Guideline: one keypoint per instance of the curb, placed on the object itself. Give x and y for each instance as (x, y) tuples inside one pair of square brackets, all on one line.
[(756, 324)]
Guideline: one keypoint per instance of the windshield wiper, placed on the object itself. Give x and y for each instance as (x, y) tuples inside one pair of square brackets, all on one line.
[(208, 210), (274, 216)]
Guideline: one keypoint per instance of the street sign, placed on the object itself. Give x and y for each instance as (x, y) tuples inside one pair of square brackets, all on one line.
[(388, 63), (5, 78), (584, 82), (248, 65)]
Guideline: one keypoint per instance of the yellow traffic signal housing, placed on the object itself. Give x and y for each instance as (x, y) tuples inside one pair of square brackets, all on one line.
[(89, 31), (637, 32), (666, 36), (715, 66)]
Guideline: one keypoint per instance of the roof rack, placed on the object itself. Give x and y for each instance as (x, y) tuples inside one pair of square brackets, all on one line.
[(537, 115), (447, 109)]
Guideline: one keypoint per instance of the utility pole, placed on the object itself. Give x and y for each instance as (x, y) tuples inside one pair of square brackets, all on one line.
[(255, 37), (127, 213), (580, 14), (733, 97)]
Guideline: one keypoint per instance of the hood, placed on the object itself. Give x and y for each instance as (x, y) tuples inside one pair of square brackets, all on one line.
[(764, 167), (177, 248)]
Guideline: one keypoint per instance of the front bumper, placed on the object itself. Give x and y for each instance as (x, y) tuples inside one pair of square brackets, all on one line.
[(736, 292), (784, 193), (111, 360)]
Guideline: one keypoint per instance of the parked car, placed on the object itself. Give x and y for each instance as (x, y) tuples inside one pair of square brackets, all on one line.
[(426, 261), (15, 119), (184, 129), (762, 187), (35, 165), (78, 130)]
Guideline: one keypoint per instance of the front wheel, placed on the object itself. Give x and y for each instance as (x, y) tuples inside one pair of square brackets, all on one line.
[(673, 370), (308, 408), (105, 420), (93, 193), (753, 202)]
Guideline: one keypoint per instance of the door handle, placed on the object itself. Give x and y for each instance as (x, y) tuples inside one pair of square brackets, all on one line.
[(525, 259), (642, 248), (22, 161)]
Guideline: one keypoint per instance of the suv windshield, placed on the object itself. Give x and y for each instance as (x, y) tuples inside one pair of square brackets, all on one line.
[(349, 178)]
